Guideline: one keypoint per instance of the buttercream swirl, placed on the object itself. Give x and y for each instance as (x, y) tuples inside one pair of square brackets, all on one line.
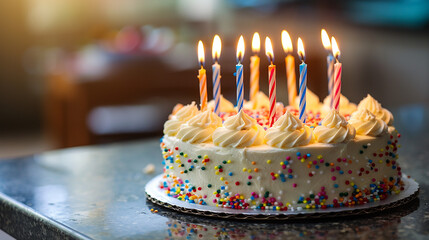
[(261, 101), (200, 128), (224, 105), (312, 101), (334, 129), (346, 107), (239, 131), (367, 123), (288, 131), (375, 108), (171, 127)]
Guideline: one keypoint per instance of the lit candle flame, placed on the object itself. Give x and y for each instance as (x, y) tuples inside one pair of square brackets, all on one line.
[(269, 50), (240, 49), (325, 40), (200, 53), (335, 49), (256, 43), (286, 42), (301, 51), (217, 48)]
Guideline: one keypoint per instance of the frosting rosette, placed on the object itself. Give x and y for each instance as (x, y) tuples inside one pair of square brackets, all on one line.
[(261, 101), (172, 126), (239, 131), (334, 129), (367, 123), (287, 132), (375, 108), (199, 129), (224, 105), (312, 101), (346, 107)]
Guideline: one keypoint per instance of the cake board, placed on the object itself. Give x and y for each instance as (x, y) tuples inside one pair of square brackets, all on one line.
[(156, 195)]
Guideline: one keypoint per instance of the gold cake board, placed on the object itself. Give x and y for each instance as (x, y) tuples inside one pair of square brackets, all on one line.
[(156, 195)]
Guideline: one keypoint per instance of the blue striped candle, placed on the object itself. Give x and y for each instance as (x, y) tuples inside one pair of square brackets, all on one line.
[(216, 87), (239, 82), (302, 91), (330, 64)]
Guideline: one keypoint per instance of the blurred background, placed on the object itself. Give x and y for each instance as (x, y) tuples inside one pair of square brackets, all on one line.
[(80, 72)]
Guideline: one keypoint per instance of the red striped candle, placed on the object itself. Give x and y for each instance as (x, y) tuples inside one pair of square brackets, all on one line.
[(271, 80), (337, 75)]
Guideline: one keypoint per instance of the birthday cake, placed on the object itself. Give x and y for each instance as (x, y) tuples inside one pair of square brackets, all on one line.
[(236, 160)]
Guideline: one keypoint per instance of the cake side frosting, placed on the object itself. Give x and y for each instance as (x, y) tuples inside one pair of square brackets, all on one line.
[(262, 177), (237, 161)]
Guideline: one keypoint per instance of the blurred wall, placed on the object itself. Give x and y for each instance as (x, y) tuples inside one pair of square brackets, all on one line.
[(384, 44)]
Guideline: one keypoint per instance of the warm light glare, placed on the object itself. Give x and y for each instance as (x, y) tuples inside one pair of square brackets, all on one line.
[(217, 48), (335, 49), (325, 40), (240, 49), (301, 51), (269, 49), (286, 42), (256, 43), (200, 53)]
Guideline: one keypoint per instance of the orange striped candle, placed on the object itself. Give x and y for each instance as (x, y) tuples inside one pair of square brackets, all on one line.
[(290, 67), (254, 67), (202, 77)]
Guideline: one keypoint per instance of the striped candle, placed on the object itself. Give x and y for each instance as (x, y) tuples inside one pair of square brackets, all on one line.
[(302, 82), (203, 88), (254, 67), (239, 74), (291, 78), (271, 80), (202, 77), (337, 85), (254, 77), (330, 64), (337, 75), (302, 91), (216, 49), (290, 67), (272, 89), (216, 87)]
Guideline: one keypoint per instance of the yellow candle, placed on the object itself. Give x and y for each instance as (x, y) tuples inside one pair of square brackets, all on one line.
[(290, 67), (202, 77), (254, 68)]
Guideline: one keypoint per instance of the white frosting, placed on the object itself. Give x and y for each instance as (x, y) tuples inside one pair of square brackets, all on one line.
[(239, 131), (224, 105), (375, 107), (259, 161), (346, 107), (288, 131), (334, 129), (171, 127), (367, 123), (313, 101), (200, 128), (261, 101)]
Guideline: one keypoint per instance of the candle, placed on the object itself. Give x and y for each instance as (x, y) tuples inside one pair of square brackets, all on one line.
[(302, 81), (254, 67), (337, 75), (271, 80), (330, 63), (239, 73), (216, 49), (202, 77), (290, 67)]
